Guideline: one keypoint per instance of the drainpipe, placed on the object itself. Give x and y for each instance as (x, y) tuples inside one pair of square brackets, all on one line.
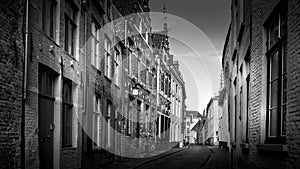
[(85, 86), (24, 86)]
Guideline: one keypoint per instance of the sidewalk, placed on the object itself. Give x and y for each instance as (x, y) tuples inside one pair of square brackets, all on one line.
[(132, 163)]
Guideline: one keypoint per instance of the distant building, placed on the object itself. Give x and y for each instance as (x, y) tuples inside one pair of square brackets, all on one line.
[(210, 128), (191, 120)]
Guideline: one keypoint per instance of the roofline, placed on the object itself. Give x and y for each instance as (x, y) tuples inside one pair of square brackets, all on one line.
[(226, 44)]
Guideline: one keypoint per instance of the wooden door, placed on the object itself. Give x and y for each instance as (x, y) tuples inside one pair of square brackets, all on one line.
[(46, 113)]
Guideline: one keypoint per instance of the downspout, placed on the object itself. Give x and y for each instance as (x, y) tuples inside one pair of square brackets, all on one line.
[(24, 86), (85, 90)]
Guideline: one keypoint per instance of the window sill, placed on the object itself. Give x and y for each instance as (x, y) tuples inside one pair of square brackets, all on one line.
[(52, 40), (69, 148), (273, 147), (70, 55)]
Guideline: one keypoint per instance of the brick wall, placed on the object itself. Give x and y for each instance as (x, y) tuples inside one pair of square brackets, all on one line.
[(293, 138), (11, 75), (254, 156), (40, 54)]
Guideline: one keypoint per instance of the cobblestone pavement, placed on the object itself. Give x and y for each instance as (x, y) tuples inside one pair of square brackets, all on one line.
[(195, 157), (219, 159), (132, 163)]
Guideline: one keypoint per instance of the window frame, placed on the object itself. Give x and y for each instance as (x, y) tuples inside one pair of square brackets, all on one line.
[(67, 103), (49, 11), (96, 113), (117, 66), (278, 47), (107, 53), (71, 29), (95, 43), (108, 125)]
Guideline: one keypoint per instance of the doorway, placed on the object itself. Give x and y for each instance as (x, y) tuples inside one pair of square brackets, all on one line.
[(45, 120)]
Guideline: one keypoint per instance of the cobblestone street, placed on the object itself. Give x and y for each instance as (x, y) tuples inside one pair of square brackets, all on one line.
[(192, 157)]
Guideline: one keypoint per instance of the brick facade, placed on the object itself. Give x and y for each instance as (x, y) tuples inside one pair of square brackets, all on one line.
[(245, 66), (70, 83), (11, 75)]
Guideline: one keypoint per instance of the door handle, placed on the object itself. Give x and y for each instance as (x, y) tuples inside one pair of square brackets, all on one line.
[(42, 140)]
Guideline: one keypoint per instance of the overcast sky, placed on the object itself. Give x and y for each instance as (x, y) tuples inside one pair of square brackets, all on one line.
[(197, 34)]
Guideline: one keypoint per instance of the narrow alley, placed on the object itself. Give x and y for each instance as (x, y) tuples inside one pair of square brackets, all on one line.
[(150, 84)]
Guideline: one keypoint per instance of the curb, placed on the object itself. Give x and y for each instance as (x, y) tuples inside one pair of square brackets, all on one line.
[(207, 159), (154, 159)]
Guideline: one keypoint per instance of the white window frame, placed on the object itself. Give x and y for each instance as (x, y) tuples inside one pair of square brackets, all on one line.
[(117, 66), (107, 50), (108, 116), (95, 44), (96, 114)]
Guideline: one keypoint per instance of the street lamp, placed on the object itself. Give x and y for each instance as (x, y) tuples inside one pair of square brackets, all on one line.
[(135, 91)]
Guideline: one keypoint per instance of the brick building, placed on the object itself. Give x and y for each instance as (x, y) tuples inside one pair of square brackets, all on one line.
[(54, 88), (178, 97), (11, 75), (80, 107), (260, 64)]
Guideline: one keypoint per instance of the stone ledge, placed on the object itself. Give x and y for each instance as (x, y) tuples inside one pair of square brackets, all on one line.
[(273, 147)]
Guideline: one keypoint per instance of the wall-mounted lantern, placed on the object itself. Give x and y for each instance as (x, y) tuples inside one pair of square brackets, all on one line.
[(135, 91)]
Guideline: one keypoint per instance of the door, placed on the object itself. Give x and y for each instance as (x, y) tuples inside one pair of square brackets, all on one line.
[(46, 127)]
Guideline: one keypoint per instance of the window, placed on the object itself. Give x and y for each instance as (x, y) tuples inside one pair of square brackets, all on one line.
[(108, 127), (247, 109), (67, 113), (235, 118), (277, 81), (70, 28), (162, 85), (96, 121), (95, 44), (49, 17), (107, 48), (129, 125), (46, 83), (129, 63), (117, 67)]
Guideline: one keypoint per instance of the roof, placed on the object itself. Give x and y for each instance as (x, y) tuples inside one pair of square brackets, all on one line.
[(197, 126), (126, 7), (195, 114)]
